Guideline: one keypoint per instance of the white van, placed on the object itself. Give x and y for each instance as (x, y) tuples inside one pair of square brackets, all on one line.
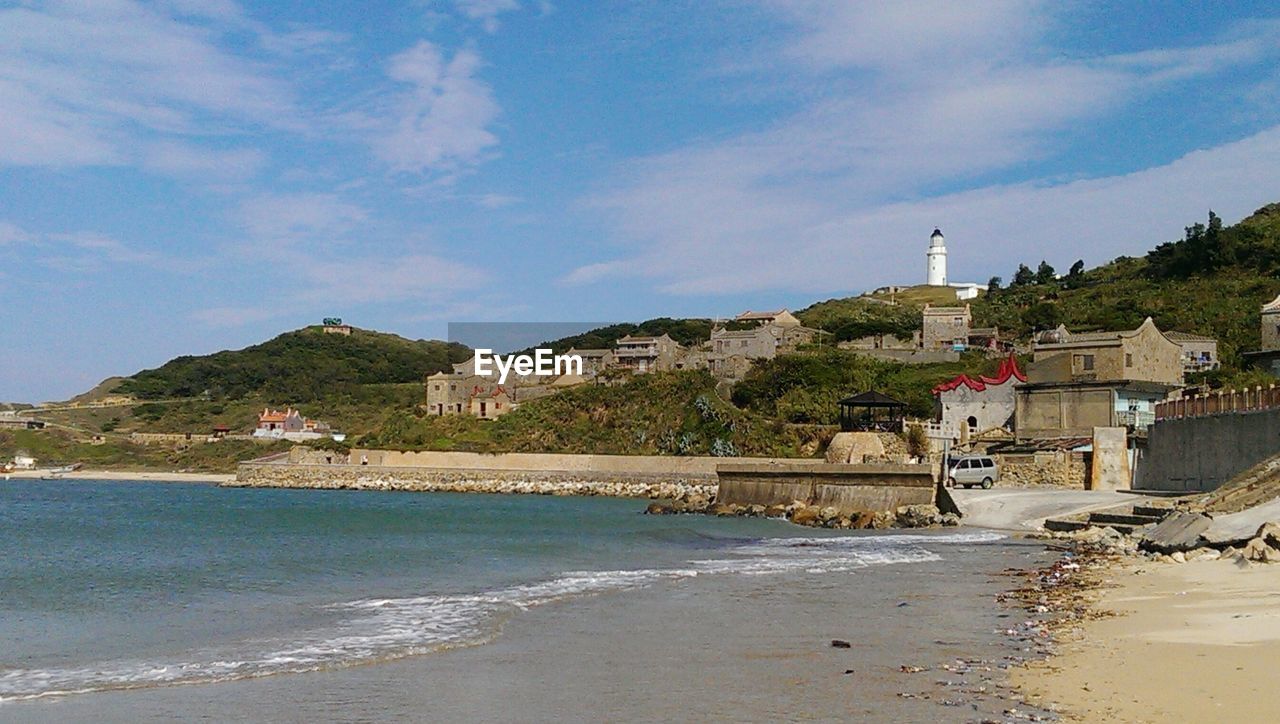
[(973, 470)]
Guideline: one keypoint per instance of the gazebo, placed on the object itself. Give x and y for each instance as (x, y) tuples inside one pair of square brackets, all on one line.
[(871, 411)]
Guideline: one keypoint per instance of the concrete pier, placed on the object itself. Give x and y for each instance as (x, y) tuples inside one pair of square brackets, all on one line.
[(848, 488)]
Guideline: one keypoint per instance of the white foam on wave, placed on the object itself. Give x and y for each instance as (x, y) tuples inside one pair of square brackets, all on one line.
[(385, 628)]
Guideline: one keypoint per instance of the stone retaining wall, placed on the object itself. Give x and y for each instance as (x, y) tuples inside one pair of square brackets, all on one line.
[(1047, 469)]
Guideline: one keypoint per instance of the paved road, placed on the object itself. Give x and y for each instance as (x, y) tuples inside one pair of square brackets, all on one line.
[(1026, 509)]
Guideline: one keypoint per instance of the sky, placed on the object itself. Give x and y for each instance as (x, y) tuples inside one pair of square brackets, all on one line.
[(183, 176)]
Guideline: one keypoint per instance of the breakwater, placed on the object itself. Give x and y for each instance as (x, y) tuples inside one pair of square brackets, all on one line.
[(630, 476), (443, 480)]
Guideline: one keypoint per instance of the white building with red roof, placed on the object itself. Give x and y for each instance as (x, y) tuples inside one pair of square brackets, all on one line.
[(983, 403)]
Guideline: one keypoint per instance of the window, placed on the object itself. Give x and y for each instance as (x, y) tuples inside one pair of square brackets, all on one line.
[(988, 463), (964, 465), (1084, 362), (1128, 360)]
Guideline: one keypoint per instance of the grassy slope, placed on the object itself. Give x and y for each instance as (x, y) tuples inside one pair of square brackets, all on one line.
[(53, 447), (668, 413)]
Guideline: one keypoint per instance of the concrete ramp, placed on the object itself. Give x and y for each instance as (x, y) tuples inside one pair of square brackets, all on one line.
[(1025, 509)]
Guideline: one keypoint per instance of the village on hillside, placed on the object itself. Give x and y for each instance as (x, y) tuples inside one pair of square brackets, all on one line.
[(1039, 412)]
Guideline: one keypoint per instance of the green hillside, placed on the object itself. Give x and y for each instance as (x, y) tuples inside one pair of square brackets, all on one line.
[(297, 367), (683, 331), (671, 413), (1211, 282)]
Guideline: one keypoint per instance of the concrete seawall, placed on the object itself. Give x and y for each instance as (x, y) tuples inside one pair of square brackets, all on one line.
[(1201, 453), (848, 488)]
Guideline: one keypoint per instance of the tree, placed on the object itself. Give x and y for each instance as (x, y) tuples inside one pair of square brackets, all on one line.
[(993, 285), (1024, 276), (1075, 276), (1045, 274), (1044, 315)]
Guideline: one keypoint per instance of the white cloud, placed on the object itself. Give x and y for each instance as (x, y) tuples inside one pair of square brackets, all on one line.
[(486, 11), (85, 83), (195, 162), (411, 277), (933, 34), (12, 234), (851, 176), (989, 230), (237, 316), (441, 121), (283, 219)]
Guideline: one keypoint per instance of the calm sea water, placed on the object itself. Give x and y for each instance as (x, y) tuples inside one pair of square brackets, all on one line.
[(123, 586)]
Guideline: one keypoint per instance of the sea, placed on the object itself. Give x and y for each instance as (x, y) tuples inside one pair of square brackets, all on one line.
[(154, 601)]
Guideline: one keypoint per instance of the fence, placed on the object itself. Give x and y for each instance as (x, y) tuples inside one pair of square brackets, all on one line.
[(1220, 402)]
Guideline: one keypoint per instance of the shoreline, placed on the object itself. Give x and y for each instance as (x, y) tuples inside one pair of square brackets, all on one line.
[(1163, 641), (124, 476)]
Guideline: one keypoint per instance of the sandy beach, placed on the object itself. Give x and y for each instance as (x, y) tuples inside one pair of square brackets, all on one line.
[(1190, 642), (124, 475)]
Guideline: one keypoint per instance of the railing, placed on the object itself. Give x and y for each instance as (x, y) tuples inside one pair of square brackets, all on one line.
[(1220, 403), (1138, 419)]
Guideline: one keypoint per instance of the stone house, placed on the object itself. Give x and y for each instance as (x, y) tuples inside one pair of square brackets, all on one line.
[(780, 318), (594, 361), (1144, 354), (490, 405), (646, 354), (883, 341), (732, 351), (1099, 379), (289, 424), (980, 404), (448, 393), (1199, 353), (945, 328), (1267, 357)]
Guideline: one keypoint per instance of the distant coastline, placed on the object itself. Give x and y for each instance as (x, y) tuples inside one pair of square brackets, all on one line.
[(154, 476)]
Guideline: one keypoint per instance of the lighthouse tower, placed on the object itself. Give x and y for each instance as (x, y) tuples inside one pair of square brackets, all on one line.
[(937, 260)]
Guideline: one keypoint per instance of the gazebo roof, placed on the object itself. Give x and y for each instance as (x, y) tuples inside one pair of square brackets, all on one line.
[(871, 398)]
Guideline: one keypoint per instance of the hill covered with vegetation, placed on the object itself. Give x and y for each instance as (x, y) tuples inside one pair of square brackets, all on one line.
[(298, 367), (1211, 282), (668, 413)]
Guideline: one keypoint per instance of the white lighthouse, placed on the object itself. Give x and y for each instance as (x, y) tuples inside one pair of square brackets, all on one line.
[(937, 260)]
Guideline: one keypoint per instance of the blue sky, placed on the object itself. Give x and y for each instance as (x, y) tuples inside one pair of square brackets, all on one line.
[(184, 176)]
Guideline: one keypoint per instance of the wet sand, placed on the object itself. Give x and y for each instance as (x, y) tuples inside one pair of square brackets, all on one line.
[(1197, 641)]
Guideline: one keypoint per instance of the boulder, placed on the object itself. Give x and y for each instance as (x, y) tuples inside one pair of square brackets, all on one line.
[(721, 509), (1258, 550), (853, 447), (657, 509), (950, 519), (862, 519), (808, 515), (918, 516), (883, 520), (775, 511), (755, 510), (1179, 531), (829, 513), (1270, 534)]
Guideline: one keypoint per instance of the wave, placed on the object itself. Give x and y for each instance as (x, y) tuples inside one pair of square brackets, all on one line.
[(378, 629)]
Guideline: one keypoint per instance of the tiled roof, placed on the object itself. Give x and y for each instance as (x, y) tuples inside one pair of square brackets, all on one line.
[(1188, 337), (1008, 369)]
